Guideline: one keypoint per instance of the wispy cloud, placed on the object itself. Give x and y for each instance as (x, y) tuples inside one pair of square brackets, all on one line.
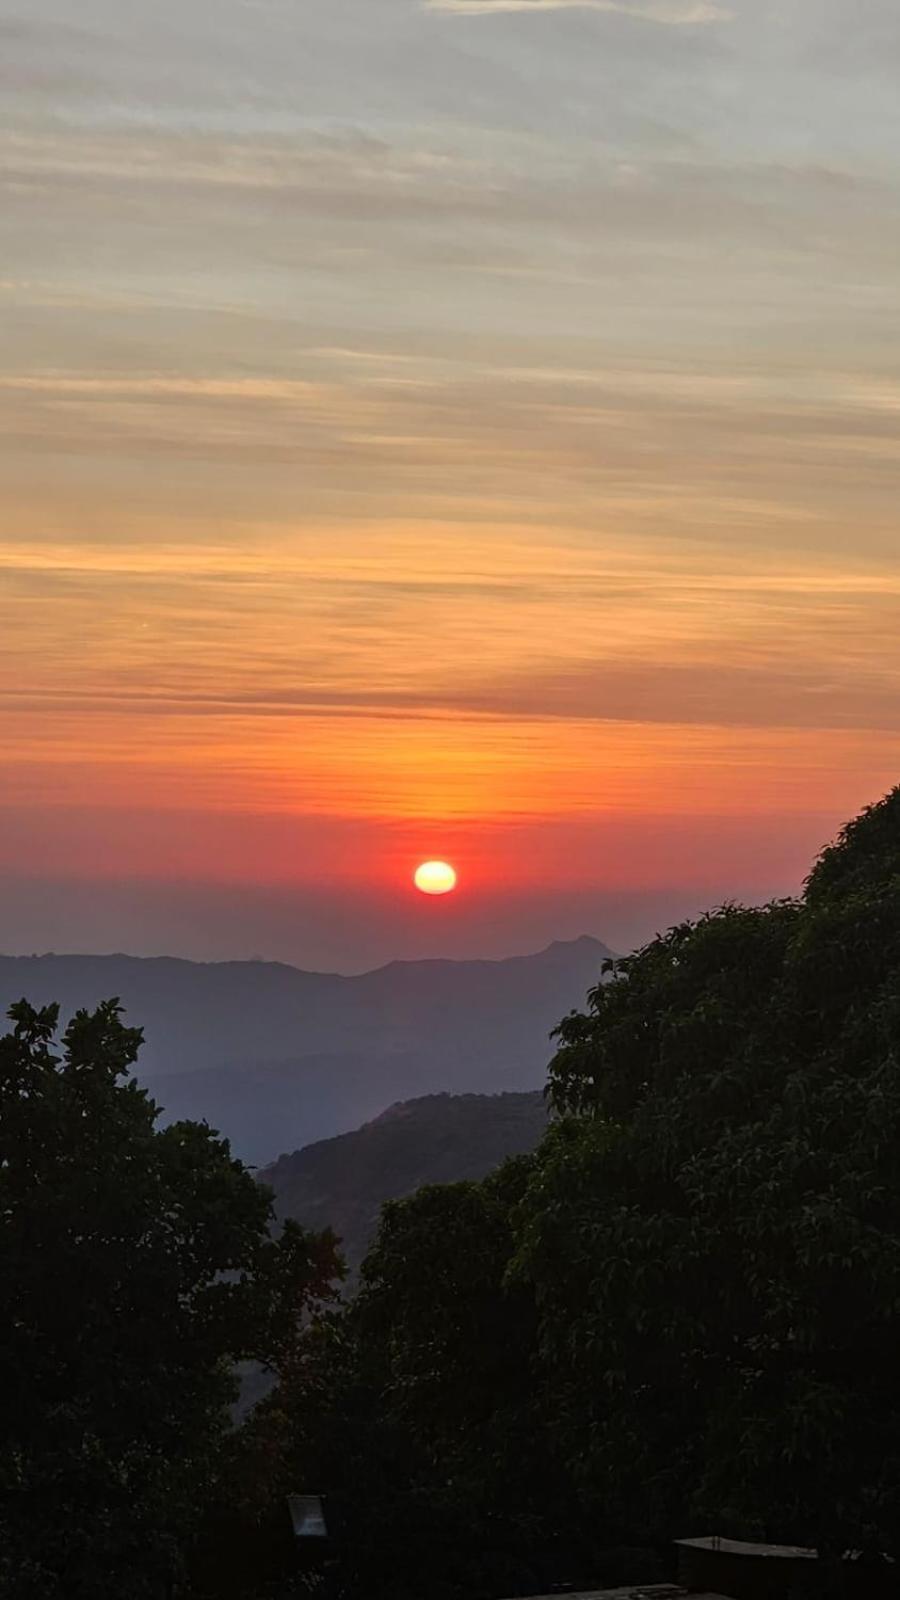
[(671, 13)]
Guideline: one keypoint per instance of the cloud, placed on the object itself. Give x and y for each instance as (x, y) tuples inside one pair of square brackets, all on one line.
[(671, 13)]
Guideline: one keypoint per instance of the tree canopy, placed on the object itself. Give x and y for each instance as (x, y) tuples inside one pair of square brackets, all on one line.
[(683, 1312), (136, 1267), (715, 1240)]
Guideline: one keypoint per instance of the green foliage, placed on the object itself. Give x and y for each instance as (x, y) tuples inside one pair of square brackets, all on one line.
[(715, 1242), (423, 1419), (683, 1311), (684, 1008), (135, 1268)]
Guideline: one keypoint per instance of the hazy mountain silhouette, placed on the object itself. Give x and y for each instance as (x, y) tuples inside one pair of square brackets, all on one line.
[(277, 1058), (342, 1183)]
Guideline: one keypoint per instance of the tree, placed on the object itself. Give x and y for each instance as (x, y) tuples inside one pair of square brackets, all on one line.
[(429, 1436), (136, 1267), (681, 1313), (712, 1233)]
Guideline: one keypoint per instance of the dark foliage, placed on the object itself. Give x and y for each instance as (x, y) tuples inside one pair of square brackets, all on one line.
[(683, 1311), (135, 1268), (420, 1415), (716, 1240)]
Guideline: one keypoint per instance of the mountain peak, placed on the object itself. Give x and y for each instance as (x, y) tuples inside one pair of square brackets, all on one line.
[(583, 944)]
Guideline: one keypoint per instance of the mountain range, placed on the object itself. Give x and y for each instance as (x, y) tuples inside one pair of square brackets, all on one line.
[(277, 1058)]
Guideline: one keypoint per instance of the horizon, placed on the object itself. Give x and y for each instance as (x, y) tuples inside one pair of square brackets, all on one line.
[(260, 961), (510, 926), (351, 931)]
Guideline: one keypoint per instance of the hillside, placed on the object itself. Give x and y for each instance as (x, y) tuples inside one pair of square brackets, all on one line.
[(277, 1058), (343, 1182)]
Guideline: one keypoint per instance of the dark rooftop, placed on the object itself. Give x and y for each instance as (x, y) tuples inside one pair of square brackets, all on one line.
[(742, 1547)]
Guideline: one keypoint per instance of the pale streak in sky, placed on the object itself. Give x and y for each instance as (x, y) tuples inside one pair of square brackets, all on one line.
[(675, 13)]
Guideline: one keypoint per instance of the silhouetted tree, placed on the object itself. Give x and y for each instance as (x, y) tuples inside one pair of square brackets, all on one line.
[(136, 1267), (714, 1237), (683, 1312)]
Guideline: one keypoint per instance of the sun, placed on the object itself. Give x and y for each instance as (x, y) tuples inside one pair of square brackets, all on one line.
[(435, 877)]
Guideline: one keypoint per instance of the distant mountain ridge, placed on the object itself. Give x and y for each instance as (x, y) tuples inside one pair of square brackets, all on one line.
[(277, 1058), (343, 1182)]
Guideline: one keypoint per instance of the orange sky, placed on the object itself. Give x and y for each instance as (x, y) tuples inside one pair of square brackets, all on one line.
[(483, 446)]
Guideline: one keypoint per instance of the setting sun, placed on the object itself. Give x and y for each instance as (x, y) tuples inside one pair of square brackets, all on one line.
[(435, 877)]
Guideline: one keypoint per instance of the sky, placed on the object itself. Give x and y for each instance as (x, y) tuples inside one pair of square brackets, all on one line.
[(457, 428)]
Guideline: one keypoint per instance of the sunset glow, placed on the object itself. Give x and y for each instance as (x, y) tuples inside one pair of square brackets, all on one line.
[(511, 475)]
